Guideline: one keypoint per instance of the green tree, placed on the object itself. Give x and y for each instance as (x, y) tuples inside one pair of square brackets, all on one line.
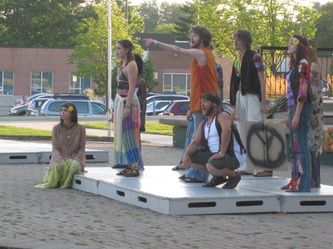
[(41, 23), (324, 35), (149, 10), (148, 74), (165, 29), (271, 23), (169, 13), (187, 19), (91, 53)]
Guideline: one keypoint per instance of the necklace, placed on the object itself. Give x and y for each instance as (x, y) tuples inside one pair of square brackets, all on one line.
[(208, 126)]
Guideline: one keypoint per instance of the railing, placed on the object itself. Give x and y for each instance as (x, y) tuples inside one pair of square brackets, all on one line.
[(276, 61)]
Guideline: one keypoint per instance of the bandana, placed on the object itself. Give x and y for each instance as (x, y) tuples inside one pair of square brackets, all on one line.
[(214, 97)]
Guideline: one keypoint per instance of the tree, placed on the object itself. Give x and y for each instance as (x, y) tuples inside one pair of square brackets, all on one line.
[(41, 23), (165, 29), (186, 20), (148, 74), (169, 13), (271, 23), (149, 10), (91, 53), (324, 35)]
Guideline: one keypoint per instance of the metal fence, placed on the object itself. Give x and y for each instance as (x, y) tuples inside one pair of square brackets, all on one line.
[(276, 61)]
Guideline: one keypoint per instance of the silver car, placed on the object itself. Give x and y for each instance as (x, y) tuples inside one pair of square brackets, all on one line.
[(84, 107)]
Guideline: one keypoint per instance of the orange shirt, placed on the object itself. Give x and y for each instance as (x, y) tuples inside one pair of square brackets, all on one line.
[(203, 79)]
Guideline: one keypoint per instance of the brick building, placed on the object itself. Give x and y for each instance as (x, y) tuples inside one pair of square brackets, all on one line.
[(26, 71), (32, 70)]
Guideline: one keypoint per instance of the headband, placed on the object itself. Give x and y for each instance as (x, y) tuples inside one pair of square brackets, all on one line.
[(214, 97), (296, 41)]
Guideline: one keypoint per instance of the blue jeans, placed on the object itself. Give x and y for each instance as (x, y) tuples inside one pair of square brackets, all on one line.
[(192, 129), (301, 134)]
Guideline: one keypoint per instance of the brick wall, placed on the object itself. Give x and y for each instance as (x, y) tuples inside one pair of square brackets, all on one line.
[(24, 61)]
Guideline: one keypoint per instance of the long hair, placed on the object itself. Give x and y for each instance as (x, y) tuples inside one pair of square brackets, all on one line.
[(245, 36), (127, 44), (313, 57), (204, 33), (301, 52), (139, 63), (73, 112)]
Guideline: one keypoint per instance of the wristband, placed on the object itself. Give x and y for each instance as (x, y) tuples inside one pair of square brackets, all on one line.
[(221, 154)]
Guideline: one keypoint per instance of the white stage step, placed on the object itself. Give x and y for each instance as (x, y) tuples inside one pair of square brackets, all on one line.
[(159, 189), (12, 152)]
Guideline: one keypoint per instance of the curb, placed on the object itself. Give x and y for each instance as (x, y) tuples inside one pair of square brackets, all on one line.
[(38, 138)]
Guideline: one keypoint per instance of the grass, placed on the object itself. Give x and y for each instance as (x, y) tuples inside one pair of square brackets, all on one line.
[(18, 131), (151, 127)]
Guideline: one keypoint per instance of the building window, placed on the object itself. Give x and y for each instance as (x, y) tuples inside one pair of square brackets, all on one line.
[(41, 82), (6, 83), (176, 82), (78, 84)]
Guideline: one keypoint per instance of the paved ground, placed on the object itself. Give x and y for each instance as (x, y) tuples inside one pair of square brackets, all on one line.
[(34, 218)]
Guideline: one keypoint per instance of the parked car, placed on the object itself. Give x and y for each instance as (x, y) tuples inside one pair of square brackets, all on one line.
[(19, 110), (159, 107), (84, 107), (34, 106), (180, 107), (170, 97), (29, 98), (176, 108)]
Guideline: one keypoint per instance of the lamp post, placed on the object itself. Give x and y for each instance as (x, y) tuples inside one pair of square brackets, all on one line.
[(109, 96)]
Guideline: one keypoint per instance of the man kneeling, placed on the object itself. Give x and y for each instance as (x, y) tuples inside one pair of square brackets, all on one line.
[(212, 149)]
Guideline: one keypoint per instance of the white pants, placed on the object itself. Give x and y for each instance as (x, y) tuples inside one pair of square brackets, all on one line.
[(248, 108)]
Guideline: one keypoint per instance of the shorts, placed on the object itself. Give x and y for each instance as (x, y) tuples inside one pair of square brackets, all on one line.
[(229, 162)]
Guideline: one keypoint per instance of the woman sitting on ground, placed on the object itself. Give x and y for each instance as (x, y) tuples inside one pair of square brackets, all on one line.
[(68, 149)]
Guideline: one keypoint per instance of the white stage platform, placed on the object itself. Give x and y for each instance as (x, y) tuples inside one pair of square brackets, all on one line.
[(159, 189), (12, 152)]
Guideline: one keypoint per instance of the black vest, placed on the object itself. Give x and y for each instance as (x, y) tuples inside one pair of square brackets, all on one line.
[(234, 132), (249, 78)]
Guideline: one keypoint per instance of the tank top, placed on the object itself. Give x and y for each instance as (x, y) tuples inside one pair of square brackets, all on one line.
[(212, 136)]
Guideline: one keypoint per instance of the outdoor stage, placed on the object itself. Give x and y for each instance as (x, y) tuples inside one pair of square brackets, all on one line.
[(159, 189)]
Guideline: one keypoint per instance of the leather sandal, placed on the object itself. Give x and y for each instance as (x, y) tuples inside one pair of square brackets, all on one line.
[(263, 173), (178, 167), (192, 180), (123, 172), (216, 180), (132, 173)]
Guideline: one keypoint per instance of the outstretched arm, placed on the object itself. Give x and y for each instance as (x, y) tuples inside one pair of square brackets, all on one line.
[(194, 53)]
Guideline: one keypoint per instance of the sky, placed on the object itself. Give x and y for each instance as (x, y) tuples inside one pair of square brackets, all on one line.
[(136, 2)]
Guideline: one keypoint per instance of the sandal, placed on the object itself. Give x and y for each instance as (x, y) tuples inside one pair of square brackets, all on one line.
[(132, 173), (216, 180), (123, 172), (182, 177), (264, 173), (178, 167), (285, 187), (192, 180), (293, 189)]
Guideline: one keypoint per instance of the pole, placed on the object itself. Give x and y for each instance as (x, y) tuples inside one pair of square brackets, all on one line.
[(109, 93)]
